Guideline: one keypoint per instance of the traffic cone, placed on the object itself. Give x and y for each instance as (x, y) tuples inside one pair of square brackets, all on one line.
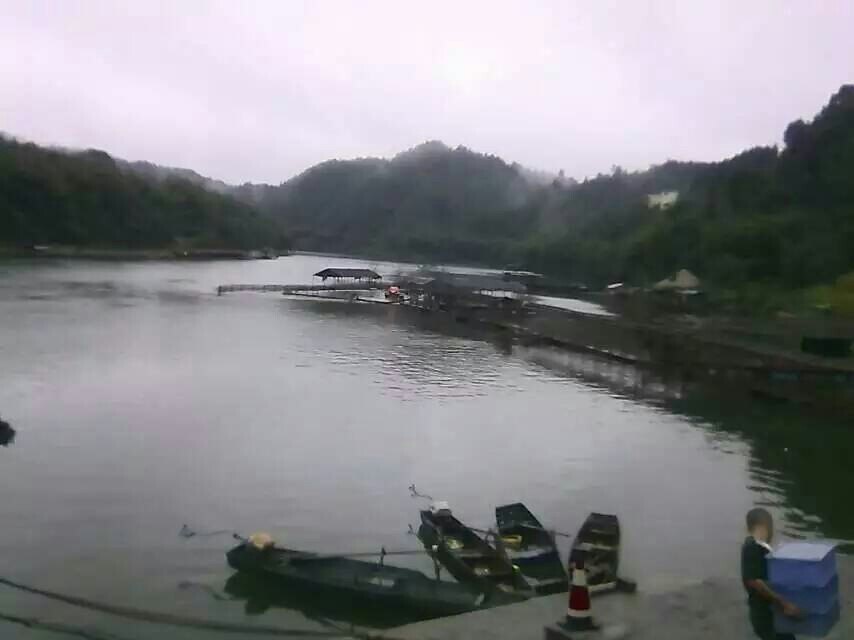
[(578, 613)]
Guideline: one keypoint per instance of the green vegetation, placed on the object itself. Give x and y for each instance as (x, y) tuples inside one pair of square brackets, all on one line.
[(769, 229), (838, 297), (430, 203), (759, 225), (87, 199)]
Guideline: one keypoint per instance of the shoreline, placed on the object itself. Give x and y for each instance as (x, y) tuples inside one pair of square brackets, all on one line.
[(118, 254), (709, 609)]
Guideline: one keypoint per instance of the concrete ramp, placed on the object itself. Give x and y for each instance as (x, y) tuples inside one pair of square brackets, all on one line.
[(714, 609)]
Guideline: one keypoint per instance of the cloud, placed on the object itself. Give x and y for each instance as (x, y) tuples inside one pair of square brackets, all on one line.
[(261, 90)]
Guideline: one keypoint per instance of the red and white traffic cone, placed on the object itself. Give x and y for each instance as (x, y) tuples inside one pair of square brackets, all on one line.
[(578, 613)]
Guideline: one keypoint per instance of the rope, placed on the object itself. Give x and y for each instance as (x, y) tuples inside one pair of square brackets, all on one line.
[(414, 493), (155, 617), (361, 554), (552, 531), (55, 627), (213, 593), (186, 532)]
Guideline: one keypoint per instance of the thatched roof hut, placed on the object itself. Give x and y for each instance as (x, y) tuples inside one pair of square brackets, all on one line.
[(682, 281)]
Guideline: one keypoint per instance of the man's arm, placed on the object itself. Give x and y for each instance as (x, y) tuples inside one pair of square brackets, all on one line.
[(761, 588), (753, 573)]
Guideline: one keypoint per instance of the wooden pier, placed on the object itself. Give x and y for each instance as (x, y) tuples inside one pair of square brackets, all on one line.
[(297, 289), (701, 350)]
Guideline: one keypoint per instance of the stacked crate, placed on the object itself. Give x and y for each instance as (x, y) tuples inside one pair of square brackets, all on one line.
[(804, 573)]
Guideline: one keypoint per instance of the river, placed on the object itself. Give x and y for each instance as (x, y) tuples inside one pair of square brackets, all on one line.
[(142, 401)]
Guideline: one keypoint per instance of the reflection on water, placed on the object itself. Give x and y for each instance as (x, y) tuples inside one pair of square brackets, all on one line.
[(148, 401), (573, 304), (261, 593), (799, 463)]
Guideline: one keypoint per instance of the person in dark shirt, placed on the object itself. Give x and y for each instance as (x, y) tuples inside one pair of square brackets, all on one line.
[(754, 573)]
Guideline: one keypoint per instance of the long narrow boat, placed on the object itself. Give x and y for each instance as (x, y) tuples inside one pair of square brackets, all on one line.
[(597, 544), (531, 548), (357, 580), (467, 556)]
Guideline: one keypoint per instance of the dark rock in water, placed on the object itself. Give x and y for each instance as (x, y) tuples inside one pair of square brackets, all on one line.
[(7, 434)]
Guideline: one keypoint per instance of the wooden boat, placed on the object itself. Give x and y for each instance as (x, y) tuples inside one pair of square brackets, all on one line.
[(357, 580), (531, 548), (597, 545), (467, 556)]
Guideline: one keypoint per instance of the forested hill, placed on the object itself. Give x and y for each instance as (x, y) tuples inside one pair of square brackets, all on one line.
[(89, 199), (430, 202), (770, 216)]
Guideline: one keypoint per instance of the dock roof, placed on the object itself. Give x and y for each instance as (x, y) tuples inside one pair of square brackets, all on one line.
[(357, 274)]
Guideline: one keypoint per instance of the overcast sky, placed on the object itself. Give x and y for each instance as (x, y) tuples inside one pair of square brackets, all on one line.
[(259, 91)]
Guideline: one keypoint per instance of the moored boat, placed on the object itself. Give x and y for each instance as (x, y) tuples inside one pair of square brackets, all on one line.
[(467, 556), (531, 548), (357, 580), (597, 544)]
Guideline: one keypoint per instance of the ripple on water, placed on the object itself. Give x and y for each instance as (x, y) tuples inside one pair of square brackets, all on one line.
[(293, 416)]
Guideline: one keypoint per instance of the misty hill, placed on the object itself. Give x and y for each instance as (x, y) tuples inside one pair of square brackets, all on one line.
[(431, 201), (156, 172), (769, 216), (87, 198)]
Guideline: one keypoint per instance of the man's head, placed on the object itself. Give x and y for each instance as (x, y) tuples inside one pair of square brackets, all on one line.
[(760, 524)]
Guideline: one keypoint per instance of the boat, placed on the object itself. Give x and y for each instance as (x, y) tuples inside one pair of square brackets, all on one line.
[(597, 545), (467, 556), (531, 548), (355, 580)]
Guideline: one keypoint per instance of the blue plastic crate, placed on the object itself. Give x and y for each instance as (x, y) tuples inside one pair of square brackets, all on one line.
[(796, 565), (815, 626), (812, 600)]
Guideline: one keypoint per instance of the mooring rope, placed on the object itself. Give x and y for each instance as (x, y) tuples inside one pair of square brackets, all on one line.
[(171, 619), (57, 627), (187, 532), (413, 492)]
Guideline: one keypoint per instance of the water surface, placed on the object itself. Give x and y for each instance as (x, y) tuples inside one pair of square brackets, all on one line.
[(143, 401)]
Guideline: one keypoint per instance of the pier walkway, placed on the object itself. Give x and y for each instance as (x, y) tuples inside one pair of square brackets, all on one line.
[(298, 288)]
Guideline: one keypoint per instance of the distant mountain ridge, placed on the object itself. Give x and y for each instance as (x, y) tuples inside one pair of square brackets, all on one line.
[(782, 218), (88, 199)]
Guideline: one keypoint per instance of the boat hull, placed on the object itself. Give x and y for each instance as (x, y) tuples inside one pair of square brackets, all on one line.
[(536, 553), (470, 559), (597, 545), (357, 581)]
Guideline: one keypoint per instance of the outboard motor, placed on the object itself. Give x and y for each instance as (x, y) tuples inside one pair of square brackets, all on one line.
[(440, 508)]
